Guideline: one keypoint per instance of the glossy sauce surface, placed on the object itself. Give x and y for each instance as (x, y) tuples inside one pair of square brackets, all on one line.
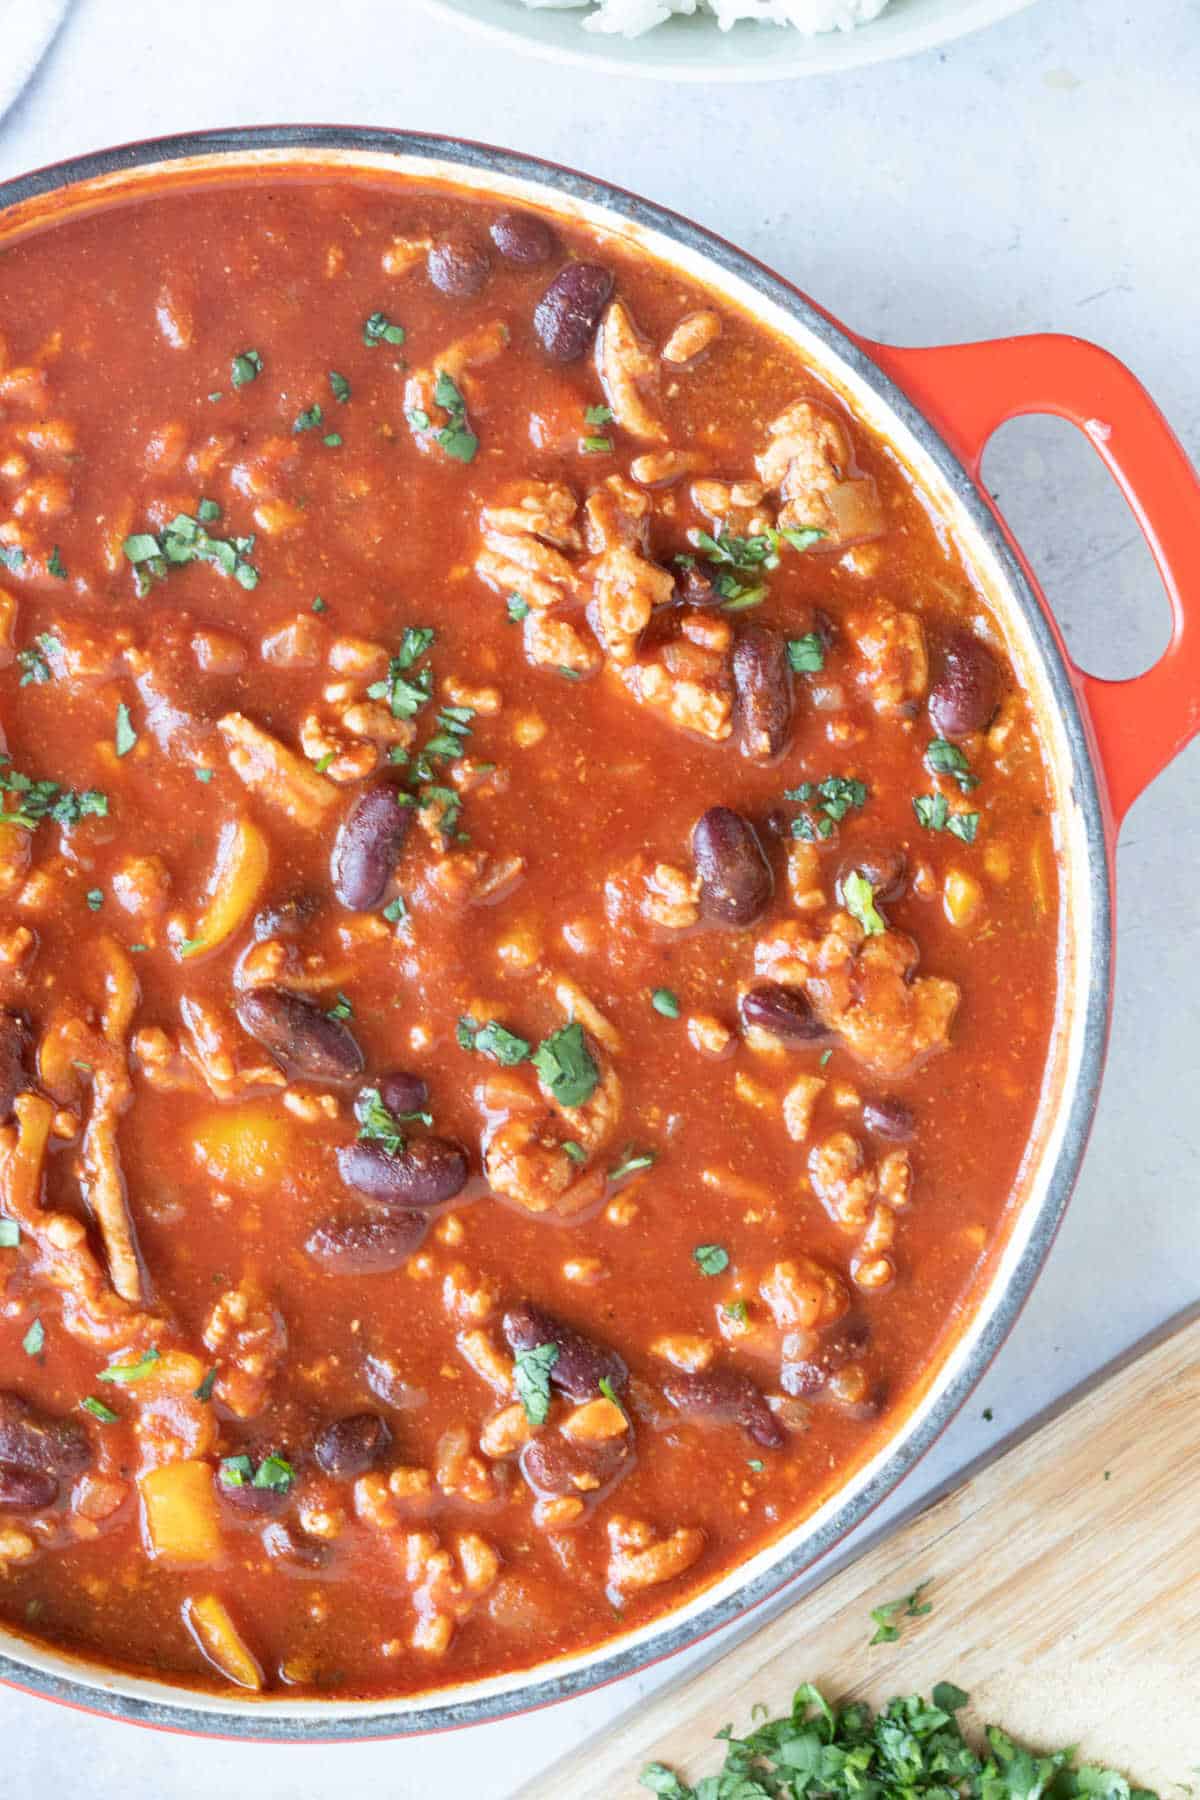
[(762, 1090)]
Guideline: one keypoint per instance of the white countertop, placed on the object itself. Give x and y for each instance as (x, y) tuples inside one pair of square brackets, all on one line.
[(1043, 175)]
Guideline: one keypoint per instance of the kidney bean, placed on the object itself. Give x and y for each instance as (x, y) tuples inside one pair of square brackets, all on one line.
[(695, 587), (523, 238), (966, 693), (551, 1464), (783, 1011), (825, 628), (809, 1361), (286, 1545), (886, 870), (300, 1035), (385, 1378), (15, 1045), (428, 1171), (401, 1092), (762, 680), (25, 1490), (887, 1117), (581, 1365), (285, 918), (350, 1446), (725, 1396), (735, 877), (367, 1245), (32, 1440), (566, 316), (368, 845), (458, 266)]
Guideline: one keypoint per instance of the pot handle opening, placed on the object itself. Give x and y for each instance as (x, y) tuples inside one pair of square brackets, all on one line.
[(967, 391)]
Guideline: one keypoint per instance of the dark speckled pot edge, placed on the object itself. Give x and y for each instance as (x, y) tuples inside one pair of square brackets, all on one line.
[(321, 1723)]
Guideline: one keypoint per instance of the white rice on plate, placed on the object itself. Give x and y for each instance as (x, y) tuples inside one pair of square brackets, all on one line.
[(632, 17)]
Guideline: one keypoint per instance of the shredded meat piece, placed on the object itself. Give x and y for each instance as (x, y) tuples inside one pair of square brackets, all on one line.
[(444, 1597), (474, 877), (617, 516), (735, 508), (646, 891), (91, 1310), (865, 988), (629, 375), (689, 683), (811, 462), (637, 1559), (555, 643), (277, 773), (249, 1336), (524, 1156), (893, 664), (524, 538), (694, 334)]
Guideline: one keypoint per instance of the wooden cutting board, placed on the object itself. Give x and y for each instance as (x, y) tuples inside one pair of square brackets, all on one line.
[(1064, 1579)]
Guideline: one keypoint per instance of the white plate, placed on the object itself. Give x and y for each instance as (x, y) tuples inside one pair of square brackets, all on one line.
[(695, 49)]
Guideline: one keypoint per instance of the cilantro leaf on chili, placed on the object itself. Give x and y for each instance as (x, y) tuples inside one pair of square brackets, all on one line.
[(531, 1378), (711, 1259), (565, 1065), (859, 898), (494, 1040), (379, 329), (807, 654), (246, 367)]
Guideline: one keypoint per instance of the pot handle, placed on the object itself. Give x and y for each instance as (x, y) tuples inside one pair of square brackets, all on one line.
[(967, 390)]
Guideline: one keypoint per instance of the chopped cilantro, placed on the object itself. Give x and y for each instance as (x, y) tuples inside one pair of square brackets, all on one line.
[(396, 911), (859, 898), (933, 812), (55, 566), (493, 1040), (597, 415), (737, 1310), (913, 1750), (377, 1124), (665, 1002), (518, 608), (531, 1377), (339, 387), (596, 446), (38, 800), (319, 605), (246, 366), (575, 1151), (272, 1472), (98, 1410), (34, 1341), (332, 440), (909, 1607), (204, 1392), (834, 798), (126, 737), (10, 1234), (565, 1066), (13, 557), (807, 654), (323, 763), (33, 662), (632, 1163), (569, 674), (944, 758), (711, 1259), (341, 1009), (204, 774), (309, 419), (755, 1463), (185, 540), (95, 899), (802, 539), (136, 1371), (378, 329), (208, 511), (406, 697), (455, 438)]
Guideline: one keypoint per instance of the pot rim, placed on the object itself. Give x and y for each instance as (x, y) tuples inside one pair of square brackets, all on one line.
[(55, 1675)]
